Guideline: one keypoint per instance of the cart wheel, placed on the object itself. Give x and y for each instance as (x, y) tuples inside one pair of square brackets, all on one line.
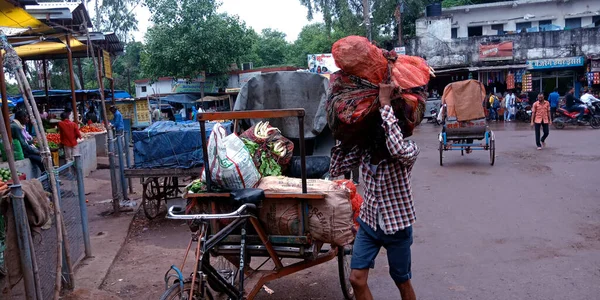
[(441, 153), (344, 257), (151, 198), (492, 151), (174, 292)]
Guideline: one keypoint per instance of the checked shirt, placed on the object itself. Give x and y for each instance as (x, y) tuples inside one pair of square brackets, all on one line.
[(388, 197)]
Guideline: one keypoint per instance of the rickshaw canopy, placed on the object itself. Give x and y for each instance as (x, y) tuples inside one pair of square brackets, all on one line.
[(464, 99)]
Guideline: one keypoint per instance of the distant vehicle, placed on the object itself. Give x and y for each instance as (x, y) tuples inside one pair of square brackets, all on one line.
[(431, 105)]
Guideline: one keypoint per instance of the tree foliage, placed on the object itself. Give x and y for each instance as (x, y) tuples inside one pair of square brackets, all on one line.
[(189, 37), (116, 16)]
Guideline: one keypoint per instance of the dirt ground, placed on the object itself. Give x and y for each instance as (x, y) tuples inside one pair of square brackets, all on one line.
[(526, 228)]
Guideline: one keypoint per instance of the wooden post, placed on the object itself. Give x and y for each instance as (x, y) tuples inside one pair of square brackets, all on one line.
[(112, 90), (80, 71), (45, 70), (72, 81), (5, 112)]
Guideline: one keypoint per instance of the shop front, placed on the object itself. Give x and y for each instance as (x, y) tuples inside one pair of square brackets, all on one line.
[(561, 73)]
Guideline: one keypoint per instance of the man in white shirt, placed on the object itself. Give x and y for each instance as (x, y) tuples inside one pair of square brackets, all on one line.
[(509, 103), (587, 97)]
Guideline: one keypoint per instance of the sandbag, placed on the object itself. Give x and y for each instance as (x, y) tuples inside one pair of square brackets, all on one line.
[(230, 163), (329, 220)]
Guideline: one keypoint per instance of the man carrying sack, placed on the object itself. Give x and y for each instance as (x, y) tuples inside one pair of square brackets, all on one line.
[(387, 213)]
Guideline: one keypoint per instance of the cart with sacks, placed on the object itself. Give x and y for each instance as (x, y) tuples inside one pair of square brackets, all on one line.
[(240, 237), (465, 126)]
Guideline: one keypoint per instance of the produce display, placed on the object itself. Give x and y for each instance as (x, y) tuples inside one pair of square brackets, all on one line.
[(270, 151), (53, 137), (94, 127), (352, 108), (6, 177)]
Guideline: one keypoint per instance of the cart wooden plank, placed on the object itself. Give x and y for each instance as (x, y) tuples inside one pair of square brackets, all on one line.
[(268, 195), (160, 172)]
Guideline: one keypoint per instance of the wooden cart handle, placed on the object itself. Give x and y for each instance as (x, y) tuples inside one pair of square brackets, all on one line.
[(252, 114)]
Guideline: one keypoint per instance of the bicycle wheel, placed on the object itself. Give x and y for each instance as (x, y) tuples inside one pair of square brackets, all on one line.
[(344, 257), (151, 198), (492, 151), (441, 153), (174, 293)]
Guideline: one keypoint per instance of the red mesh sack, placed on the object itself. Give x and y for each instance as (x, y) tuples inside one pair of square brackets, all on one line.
[(355, 55), (356, 200), (410, 72)]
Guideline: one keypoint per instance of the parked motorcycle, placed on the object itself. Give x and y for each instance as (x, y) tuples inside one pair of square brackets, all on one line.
[(433, 112), (523, 112), (590, 117)]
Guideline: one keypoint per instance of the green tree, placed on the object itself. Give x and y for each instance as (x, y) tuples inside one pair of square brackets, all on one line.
[(116, 16), (272, 48), (189, 36), (127, 68)]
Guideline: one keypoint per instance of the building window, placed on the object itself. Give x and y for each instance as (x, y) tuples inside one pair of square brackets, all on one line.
[(573, 23), (143, 89), (596, 21), (475, 31), (454, 33), (523, 25), (545, 25), (499, 29)]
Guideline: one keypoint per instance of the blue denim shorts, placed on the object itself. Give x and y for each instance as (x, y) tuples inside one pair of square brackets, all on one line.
[(368, 242)]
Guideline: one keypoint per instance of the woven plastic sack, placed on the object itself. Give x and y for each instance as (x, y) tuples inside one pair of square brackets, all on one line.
[(231, 166)]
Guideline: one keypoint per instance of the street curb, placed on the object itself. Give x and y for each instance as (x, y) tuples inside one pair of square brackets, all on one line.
[(112, 264)]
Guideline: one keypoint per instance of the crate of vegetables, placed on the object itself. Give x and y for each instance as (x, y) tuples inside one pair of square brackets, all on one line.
[(94, 128), (53, 141)]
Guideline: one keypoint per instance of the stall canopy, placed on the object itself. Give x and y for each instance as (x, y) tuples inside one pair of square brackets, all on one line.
[(52, 46), (15, 20)]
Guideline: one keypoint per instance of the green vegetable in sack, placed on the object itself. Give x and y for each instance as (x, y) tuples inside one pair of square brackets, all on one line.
[(251, 146), (269, 166), (196, 186)]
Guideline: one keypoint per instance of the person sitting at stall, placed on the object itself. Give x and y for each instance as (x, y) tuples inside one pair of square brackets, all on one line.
[(91, 116), (29, 151), (117, 121), (69, 133)]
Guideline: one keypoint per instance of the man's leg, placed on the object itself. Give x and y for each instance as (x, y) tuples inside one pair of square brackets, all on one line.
[(366, 247), (537, 134), (68, 153), (552, 112), (399, 260), (581, 110), (546, 132)]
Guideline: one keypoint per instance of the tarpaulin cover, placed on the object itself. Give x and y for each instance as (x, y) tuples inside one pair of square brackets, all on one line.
[(464, 100), (285, 90), (168, 144)]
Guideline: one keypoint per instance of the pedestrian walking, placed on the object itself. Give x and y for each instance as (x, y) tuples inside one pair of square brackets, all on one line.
[(117, 121), (511, 105), (69, 134), (553, 98), (495, 106), (387, 214), (540, 118)]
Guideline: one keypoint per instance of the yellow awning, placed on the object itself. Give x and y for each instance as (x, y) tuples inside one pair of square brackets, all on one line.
[(17, 18), (49, 48)]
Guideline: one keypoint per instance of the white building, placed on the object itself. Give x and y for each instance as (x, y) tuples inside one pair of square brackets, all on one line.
[(512, 17)]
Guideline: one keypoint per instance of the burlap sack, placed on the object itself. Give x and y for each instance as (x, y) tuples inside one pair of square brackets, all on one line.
[(329, 220)]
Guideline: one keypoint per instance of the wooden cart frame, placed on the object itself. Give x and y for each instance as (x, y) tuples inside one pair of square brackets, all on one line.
[(159, 186), (220, 240)]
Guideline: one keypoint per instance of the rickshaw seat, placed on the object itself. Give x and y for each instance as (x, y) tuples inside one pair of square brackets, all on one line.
[(243, 196)]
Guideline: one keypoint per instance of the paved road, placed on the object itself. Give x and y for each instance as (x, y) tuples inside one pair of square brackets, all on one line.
[(526, 228)]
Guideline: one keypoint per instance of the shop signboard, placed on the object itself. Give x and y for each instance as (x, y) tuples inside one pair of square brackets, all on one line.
[(188, 86), (107, 66), (595, 67), (245, 77), (400, 50), (554, 63), (322, 63), (496, 51)]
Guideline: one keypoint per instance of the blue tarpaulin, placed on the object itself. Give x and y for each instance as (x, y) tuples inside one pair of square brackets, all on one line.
[(168, 144)]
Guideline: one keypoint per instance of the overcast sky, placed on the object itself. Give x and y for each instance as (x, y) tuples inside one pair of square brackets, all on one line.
[(287, 16)]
